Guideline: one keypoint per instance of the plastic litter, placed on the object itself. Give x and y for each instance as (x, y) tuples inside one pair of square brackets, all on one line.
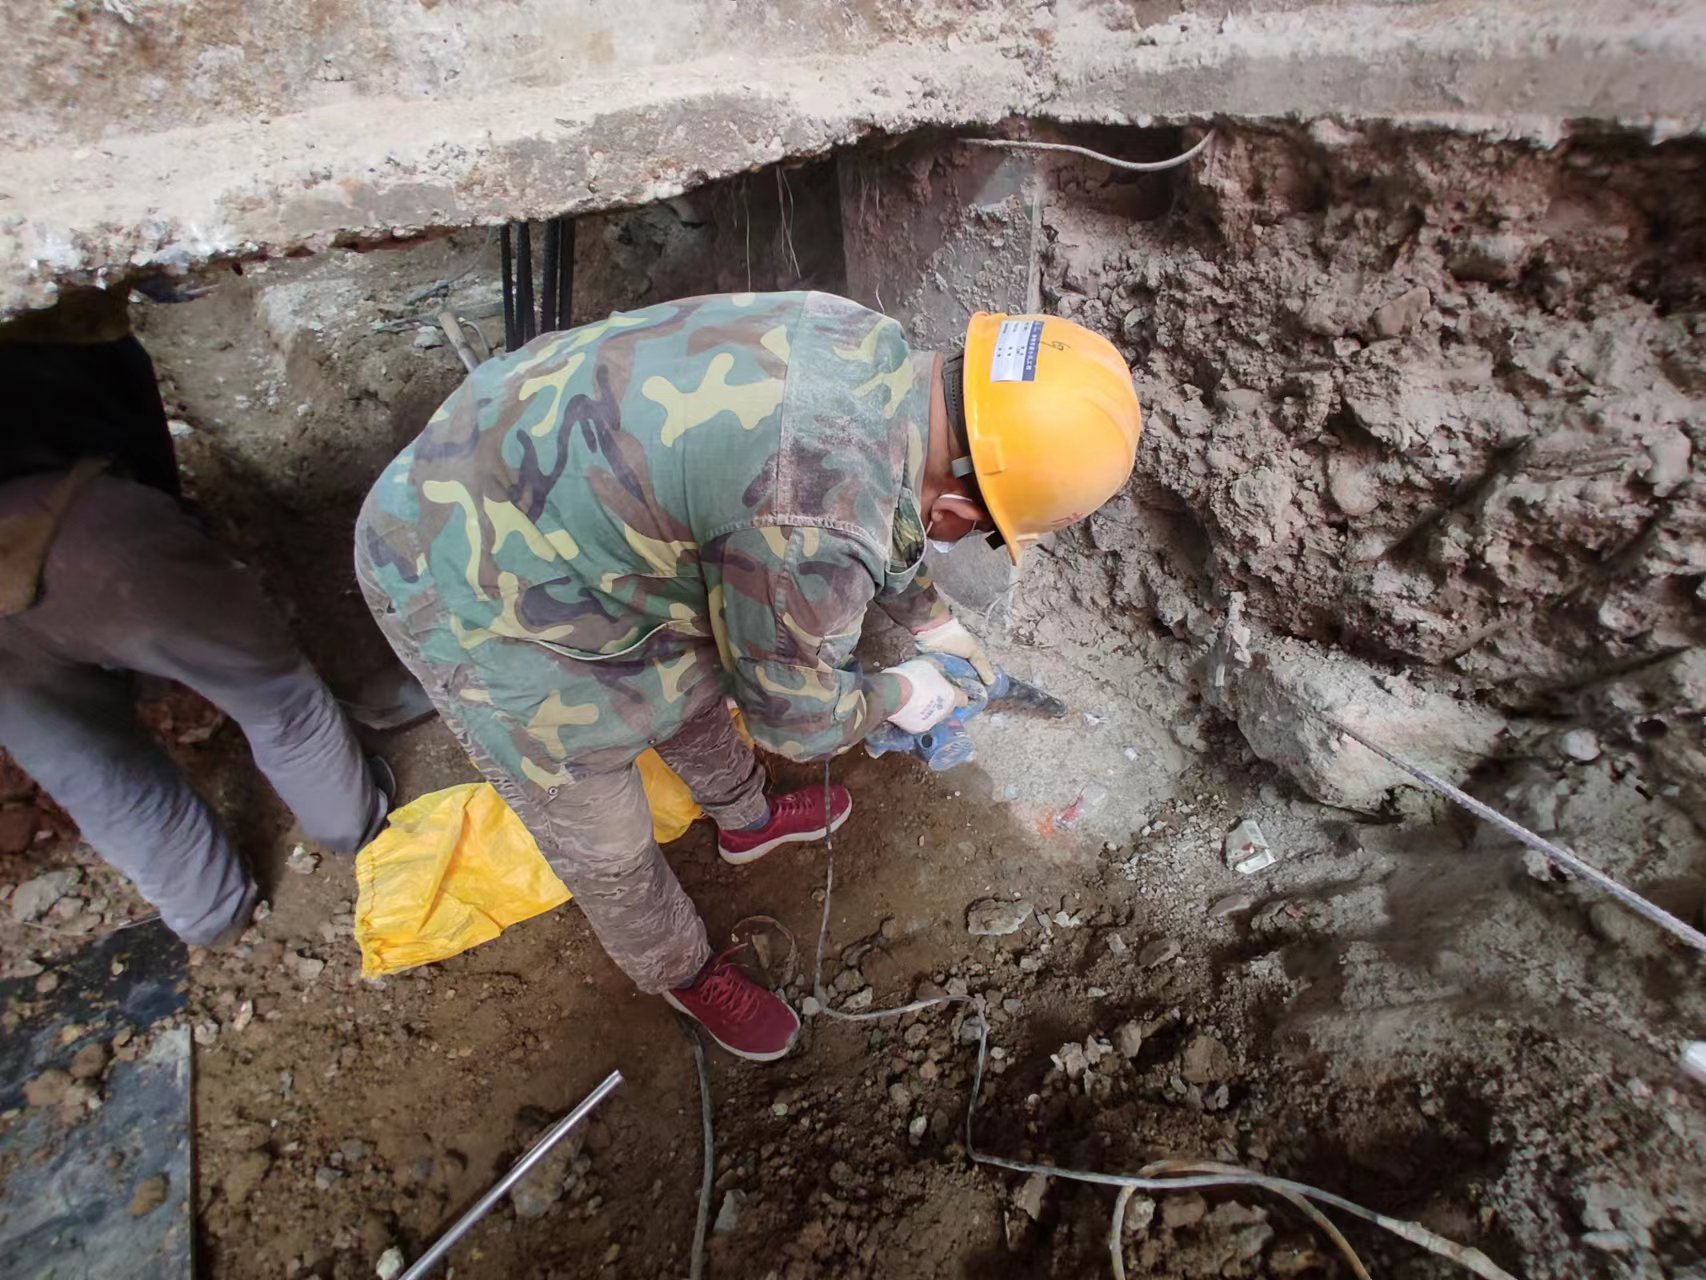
[(1247, 850), (1088, 801), (455, 868)]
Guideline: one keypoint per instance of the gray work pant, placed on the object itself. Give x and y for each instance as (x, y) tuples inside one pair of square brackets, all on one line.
[(596, 830), (131, 585)]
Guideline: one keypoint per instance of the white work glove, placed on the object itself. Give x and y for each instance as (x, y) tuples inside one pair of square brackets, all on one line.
[(952, 637), (932, 698)]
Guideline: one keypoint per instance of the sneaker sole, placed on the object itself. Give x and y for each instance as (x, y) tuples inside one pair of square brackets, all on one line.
[(749, 1055), (759, 850)]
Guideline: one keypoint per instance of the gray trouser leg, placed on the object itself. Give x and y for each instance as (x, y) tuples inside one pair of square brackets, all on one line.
[(72, 729), (719, 769), (131, 582)]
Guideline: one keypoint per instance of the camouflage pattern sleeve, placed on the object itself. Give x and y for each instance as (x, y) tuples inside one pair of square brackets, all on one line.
[(917, 605), (786, 605)]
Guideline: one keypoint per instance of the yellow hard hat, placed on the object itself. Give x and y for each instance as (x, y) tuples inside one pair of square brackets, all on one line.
[(1051, 419)]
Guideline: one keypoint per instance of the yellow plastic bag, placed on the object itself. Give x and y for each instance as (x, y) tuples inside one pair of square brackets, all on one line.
[(456, 868), (453, 869)]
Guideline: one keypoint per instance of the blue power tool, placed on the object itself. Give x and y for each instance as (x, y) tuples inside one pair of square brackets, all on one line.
[(948, 744)]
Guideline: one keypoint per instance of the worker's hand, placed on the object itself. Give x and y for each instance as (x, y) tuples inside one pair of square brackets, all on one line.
[(952, 637), (930, 696)]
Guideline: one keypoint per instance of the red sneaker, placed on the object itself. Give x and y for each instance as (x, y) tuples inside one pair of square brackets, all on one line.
[(742, 1016), (793, 817)]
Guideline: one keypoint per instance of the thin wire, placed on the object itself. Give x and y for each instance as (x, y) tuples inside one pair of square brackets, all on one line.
[(1131, 166), (696, 1266), (1223, 1175), (785, 212), (1556, 854)]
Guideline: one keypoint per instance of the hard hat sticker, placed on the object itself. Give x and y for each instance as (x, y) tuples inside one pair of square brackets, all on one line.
[(1015, 358)]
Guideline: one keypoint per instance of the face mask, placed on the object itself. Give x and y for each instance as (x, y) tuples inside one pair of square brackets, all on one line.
[(939, 546)]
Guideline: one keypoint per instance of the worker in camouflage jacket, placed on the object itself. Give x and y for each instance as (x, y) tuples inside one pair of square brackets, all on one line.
[(602, 537)]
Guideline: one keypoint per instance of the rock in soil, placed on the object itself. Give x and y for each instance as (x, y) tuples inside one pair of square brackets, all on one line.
[(244, 1173), (35, 897), (993, 918), (1158, 952)]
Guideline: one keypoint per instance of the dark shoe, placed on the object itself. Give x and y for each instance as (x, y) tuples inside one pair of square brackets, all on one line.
[(385, 778), (740, 1015), (794, 817)]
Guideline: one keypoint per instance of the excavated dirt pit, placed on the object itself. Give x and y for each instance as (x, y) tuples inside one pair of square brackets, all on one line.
[(1433, 400)]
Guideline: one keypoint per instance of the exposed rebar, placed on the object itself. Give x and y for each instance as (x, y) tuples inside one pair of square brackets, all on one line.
[(506, 257), (428, 1260), (548, 279), (1554, 853), (524, 314)]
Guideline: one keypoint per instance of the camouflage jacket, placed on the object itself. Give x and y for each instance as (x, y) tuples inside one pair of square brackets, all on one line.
[(601, 534)]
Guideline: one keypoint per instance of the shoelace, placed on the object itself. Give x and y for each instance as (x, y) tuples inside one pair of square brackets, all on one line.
[(727, 989), (795, 802)]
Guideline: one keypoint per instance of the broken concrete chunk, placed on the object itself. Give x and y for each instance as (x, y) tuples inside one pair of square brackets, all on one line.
[(728, 1213), (1352, 483), (1071, 1060), (547, 1181), (390, 1264), (34, 897), (301, 861), (1029, 1198), (1694, 1060), (992, 918), (1489, 259), (1397, 317), (1230, 905), (1581, 745), (860, 999), (1158, 952), (1139, 1213), (1270, 688), (1205, 1060), (1183, 1211), (1129, 1040), (1246, 849)]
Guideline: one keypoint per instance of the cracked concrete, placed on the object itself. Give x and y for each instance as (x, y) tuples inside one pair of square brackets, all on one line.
[(237, 131)]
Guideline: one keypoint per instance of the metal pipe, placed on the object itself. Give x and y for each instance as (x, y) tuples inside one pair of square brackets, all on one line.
[(458, 341), (483, 1206), (506, 256)]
